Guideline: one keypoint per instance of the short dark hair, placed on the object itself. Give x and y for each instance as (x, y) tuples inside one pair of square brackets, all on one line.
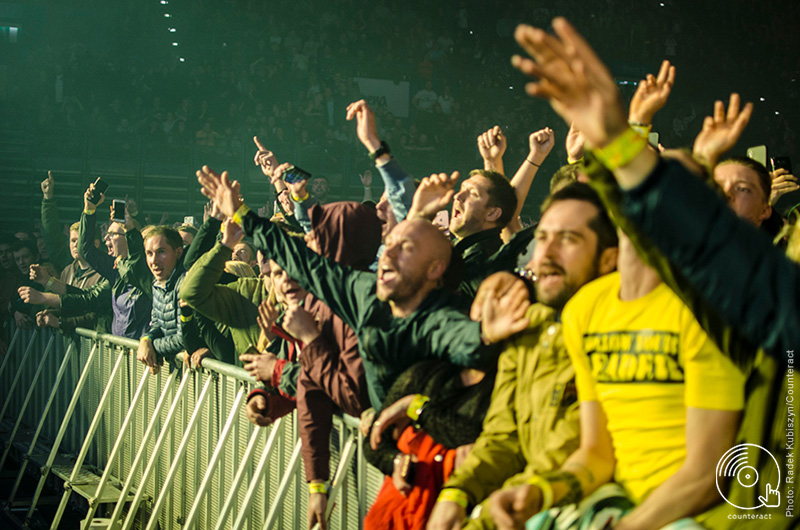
[(601, 224), (501, 194), (764, 178), (564, 175), (30, 244), (172, 236)]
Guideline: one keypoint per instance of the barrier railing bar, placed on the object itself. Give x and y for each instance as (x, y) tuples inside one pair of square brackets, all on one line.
[(62, 431), (93, 504), (40, 426), (165, 429), (87, 442), (283, 488), (178, 457), (259, 471), (212, 464), (20, 370), (26, 402), (240, 473), (126, 488), (361, 478), (9, 350)]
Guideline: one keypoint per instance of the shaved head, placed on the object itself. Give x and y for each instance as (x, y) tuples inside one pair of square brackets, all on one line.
[(416, 257)]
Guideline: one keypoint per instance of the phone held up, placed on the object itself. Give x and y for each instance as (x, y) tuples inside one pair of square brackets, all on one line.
[(118, 211), (100, 187), (294, 174)]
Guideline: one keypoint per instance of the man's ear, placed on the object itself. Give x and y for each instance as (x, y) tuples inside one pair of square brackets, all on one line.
[(436, 270), (766, 212), (493, 214), (608, 260)]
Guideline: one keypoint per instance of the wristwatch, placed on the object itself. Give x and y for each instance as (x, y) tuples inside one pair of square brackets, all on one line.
[(382, 150)]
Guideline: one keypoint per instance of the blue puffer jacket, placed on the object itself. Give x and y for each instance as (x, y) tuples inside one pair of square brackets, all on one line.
[(165, 329)]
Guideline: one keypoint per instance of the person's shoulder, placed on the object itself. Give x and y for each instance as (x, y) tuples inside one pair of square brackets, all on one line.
[(594, 293)]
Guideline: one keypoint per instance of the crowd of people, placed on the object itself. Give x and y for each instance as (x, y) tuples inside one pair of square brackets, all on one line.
[(587, 371)]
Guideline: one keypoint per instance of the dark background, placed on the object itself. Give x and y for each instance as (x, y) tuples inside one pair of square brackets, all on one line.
[(91, 88)]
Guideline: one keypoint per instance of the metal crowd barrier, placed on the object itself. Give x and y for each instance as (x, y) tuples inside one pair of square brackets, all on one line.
[(175, 450)]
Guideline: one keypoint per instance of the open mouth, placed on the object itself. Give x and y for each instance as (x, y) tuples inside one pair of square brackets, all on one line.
[(386, 274)]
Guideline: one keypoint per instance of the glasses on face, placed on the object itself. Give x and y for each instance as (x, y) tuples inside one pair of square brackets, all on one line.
[(110, 235)]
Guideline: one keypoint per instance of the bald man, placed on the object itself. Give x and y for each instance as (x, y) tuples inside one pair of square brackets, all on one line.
[(399, 315)]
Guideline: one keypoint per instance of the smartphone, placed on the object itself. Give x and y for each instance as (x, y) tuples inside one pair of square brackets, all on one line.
[(442, 219), (758, 153), (654, 139), (781, 162), (100, 187), (118, 211), (294, 174), (189, 220)]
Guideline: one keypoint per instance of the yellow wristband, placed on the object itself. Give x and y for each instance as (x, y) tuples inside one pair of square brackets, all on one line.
[(50, 283), (546, 488), (240, 213), (295, 198), (572, 161), (316, 487), (622, 150), (186, 318), (87, 211), (453, 495), (642, 128), (415, 407)]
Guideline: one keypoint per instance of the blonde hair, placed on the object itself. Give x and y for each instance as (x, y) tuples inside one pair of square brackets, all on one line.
[(240, 269)]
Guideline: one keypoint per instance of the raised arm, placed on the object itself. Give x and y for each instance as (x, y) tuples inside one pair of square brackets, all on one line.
[(541, 143), (398, 185), (341, 288)]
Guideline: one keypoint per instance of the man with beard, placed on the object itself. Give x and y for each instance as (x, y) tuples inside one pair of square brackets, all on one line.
[(532, 423)]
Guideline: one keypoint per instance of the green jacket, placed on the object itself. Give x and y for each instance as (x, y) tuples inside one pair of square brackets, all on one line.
[(532, 425), (766, 421), (235, 305), (387, 345)]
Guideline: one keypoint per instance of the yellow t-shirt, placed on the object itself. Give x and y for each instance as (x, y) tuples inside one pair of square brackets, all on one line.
[(645, 361)]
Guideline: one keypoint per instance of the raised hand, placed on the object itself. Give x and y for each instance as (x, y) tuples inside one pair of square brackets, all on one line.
[(232, 234), (492, 145), (574, 143), (265, 159), (541, 143), (88, 204), (268, 313), (434, 193), (494, 286), (573, 79), (365, 124), (651, 95), (782, 183), (220, 189), (366, 178), (504, 316), (47, 186), (722, 130)]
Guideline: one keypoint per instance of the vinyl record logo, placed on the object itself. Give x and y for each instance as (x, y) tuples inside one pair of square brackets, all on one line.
[(739, 464)]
